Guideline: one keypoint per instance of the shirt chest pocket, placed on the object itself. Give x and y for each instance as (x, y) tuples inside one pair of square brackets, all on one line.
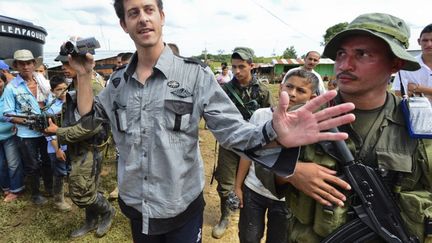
[(177, 114)]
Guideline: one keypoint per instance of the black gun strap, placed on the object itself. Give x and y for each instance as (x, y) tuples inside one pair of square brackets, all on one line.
[(402, 88), (237, 98)]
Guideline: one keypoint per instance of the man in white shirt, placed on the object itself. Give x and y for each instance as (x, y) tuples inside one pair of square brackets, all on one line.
[(420, 81), (311, 60)]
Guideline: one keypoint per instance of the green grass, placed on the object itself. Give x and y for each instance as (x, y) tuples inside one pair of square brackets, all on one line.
[(22, 221)]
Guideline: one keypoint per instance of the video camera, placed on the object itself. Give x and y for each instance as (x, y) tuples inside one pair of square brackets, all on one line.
[(37, 122), (80, 47)]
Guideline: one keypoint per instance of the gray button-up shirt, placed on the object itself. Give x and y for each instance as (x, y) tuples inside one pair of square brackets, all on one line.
[(155, 126)]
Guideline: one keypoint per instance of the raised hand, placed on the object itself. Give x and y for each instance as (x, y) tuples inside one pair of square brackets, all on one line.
[(304, 125), (82, 64), (52, 128)]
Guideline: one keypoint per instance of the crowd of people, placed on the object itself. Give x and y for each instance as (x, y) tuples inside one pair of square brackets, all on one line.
[(277, 160)]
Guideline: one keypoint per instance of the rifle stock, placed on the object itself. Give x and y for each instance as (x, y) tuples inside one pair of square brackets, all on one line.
[(377, 210)]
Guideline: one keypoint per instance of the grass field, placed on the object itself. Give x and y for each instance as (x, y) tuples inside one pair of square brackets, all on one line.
[(21, 221)]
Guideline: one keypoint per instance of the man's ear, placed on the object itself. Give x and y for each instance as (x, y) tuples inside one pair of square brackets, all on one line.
[(162, 14), (418, 41), (123, 25)]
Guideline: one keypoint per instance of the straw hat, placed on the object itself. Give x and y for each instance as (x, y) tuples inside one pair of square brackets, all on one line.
[(24, 55)]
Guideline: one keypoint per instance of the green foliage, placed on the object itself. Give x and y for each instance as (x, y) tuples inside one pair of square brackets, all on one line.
[(332, 31), (290, 52)]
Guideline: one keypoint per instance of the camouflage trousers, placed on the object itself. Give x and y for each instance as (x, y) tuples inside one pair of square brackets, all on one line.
[(226, 171), (84, 176)]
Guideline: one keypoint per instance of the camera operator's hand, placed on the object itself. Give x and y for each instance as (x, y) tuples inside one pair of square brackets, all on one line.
[(83, 65), (52, 128)]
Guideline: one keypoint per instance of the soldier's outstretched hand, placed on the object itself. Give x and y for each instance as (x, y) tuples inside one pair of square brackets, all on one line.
[(305, 125)]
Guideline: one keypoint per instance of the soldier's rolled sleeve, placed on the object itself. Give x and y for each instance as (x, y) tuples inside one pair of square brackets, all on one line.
[(76, 133)]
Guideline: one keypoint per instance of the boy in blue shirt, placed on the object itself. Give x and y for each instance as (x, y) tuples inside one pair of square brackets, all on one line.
[(56, 152)]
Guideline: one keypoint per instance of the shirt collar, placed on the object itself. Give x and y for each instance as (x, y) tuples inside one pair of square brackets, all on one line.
[(17, 81), (421, 62), (163, 64), (253, 82)]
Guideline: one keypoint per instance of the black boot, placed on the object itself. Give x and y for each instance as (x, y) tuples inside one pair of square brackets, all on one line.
[(106, 213), (89, 224), (219, 229), (36, 196), (47, 177)]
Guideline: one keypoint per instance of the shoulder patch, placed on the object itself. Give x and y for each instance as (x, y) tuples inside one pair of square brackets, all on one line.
[(194, 61), (182, 93), (116, 82)]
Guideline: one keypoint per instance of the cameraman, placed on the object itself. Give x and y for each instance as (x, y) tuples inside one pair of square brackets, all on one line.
[(84, 153), (248, 94)]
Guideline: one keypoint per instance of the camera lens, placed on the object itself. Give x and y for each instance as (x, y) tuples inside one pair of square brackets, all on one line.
[(69, 47)]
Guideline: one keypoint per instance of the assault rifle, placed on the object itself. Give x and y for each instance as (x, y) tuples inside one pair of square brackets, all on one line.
[(378, 214), (37, 122)]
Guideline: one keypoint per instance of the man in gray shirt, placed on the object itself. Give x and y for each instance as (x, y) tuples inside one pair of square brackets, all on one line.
[(154, 107)]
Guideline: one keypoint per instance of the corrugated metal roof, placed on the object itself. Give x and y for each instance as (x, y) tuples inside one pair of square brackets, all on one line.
[(299, 61)]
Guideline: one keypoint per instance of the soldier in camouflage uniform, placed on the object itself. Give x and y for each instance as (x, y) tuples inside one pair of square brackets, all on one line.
[(85, 154), (248, 94), (366, 54)]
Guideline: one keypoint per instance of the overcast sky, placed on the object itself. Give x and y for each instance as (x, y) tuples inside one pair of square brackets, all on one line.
[(267, 26)]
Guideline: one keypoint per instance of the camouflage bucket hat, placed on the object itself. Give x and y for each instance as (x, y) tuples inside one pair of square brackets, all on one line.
[(394, 31), (245, 53)]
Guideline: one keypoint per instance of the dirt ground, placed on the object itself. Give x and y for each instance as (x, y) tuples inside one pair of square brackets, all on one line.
[(212, 212)]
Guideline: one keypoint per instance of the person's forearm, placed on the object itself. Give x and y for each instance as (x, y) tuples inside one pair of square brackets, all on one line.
[(423, 89), (84, 93), (54, 143), (242, 171)]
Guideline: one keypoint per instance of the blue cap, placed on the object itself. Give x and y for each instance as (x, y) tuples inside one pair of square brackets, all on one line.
[(3, 65)]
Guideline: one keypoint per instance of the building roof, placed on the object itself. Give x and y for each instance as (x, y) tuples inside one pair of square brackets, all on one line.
[(299, 61), (48, 57)]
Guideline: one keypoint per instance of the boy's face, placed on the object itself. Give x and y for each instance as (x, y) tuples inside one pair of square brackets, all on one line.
[(298, 89), (242, 70), (425, 42), (58, 91)]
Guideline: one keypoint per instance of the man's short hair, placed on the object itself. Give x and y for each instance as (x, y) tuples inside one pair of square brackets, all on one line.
[(119, 8), (56, 80), (309, 76), (427, 29), (309, 52), (390, 29)]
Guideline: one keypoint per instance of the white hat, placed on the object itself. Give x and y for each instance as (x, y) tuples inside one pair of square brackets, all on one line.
[(24, 55)]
